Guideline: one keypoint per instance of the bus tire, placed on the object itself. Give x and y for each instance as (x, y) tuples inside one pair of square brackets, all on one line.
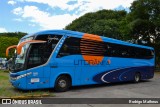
[(137, 77), (62, 83)]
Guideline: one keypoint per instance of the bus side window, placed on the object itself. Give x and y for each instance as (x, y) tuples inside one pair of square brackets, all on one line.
[(71, 46), (124, 51)]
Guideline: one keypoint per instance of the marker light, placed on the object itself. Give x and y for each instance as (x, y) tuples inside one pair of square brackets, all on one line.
[(22, 76)]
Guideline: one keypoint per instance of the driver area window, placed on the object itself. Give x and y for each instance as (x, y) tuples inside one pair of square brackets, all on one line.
[(39, 53)]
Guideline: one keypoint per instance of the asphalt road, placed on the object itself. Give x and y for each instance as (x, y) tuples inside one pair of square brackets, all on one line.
[(145, 89)]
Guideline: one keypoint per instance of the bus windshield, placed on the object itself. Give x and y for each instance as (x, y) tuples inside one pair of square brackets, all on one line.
[(19, 60), (34, 53)]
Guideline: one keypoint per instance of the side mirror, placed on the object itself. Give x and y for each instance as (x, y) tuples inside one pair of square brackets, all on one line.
[(19, 47), (10, 47)]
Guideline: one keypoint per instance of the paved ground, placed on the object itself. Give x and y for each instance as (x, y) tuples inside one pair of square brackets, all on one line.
[(145, 89)]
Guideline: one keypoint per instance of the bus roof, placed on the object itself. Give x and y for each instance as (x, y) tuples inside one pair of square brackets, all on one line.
[(80, 34)]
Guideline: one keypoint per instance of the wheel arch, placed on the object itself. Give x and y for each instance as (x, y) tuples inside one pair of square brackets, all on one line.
[(139, 73), (140, 76), (63, 82), (64, 74)]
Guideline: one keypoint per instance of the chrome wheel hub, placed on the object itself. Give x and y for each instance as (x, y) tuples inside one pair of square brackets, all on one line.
[(62, 83), (137, 77)]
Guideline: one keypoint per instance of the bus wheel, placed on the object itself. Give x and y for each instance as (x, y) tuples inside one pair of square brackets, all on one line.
[(137, 77), (62, 84)]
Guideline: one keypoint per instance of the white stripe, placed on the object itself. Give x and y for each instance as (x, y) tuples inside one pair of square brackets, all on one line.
[(102, 78)]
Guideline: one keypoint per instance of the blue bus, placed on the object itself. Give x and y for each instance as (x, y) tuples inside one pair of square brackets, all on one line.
[(60, 59)]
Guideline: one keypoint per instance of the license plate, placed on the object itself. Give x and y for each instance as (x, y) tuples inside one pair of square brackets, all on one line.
[(34, 79)]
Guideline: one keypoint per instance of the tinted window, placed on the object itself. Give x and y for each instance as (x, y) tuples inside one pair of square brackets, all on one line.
[(92, 47), (81, 46), (35, 56), (117, 50), (40, 53), (71, 46)]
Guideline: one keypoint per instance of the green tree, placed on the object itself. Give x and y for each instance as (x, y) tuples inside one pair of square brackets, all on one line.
[(108, 23), (5, 42), (8, 39), (145, 20), (144, 23), (13, 34)]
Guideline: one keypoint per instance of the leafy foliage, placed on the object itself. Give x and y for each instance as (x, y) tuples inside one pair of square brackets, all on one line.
[(141, 25), (144, 20), (8, 39), (108, 23), (144, 23)]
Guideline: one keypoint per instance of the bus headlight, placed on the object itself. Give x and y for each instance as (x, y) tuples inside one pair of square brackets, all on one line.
[(22, 76)]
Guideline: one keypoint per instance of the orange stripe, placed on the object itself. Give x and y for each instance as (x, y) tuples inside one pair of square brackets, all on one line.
[(92, 52), (92, 37), (92, 46), (96, 59), (19, 47), (89, 40), (88, 54), (93, 49), (88, 44)]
